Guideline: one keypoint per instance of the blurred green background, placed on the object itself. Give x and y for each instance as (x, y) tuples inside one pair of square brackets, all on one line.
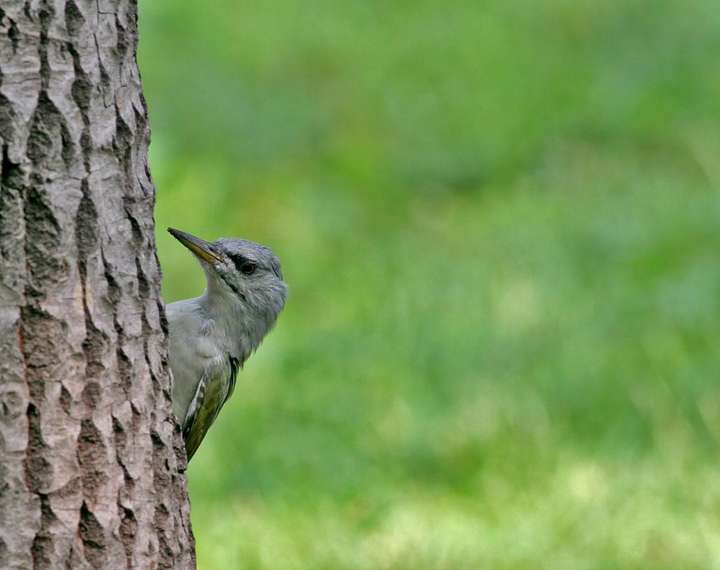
[(499, 224)]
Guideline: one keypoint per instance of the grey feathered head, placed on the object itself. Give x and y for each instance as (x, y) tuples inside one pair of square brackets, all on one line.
[(241, 270)]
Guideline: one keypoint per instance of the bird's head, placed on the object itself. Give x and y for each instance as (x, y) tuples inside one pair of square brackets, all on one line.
[(242, 273)]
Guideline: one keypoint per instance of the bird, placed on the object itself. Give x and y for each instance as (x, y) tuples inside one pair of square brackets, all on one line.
[(211, 336)]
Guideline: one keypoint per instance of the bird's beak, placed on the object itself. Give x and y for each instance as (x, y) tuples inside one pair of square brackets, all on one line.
[(198, 246)]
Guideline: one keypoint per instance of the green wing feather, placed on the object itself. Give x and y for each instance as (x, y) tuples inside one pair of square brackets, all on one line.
[(213, 390)]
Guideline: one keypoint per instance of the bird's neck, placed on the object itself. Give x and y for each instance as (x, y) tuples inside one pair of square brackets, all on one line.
[(231, 323)]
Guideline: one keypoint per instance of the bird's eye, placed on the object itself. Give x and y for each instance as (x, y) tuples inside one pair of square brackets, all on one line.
[(248, 268)]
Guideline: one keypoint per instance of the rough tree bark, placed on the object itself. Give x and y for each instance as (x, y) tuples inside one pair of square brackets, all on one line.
[(90, 459)]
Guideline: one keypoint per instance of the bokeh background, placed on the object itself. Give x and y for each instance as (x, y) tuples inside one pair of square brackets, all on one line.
[(499, 224)]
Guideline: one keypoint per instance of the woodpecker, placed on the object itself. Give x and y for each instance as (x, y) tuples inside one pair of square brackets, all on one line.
[(211, 336)]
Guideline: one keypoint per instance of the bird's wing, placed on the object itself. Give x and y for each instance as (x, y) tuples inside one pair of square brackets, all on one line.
[(213, 390)]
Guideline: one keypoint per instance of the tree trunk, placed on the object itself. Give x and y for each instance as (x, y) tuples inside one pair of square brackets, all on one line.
[(91, 461)]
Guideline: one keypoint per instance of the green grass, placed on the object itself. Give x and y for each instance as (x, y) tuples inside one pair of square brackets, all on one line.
[(499, 226)]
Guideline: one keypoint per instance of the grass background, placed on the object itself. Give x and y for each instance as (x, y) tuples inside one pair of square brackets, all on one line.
[(499, 224)]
